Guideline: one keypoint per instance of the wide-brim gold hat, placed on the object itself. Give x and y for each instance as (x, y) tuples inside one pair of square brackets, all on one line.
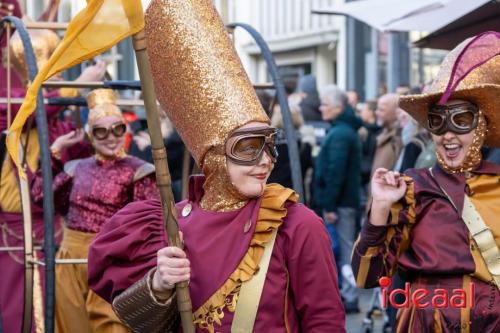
[(199, 79), (481, 87)]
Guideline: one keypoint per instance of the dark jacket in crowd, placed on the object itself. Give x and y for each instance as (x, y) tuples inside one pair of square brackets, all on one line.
[(337, 176), (368, 148)]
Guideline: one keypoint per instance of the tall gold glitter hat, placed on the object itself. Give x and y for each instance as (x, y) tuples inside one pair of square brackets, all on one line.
[(44, 43), (102, 103), (199, 79), (471, 71)]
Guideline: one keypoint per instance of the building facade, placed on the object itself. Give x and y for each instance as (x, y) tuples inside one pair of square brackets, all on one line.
[(334, 48)]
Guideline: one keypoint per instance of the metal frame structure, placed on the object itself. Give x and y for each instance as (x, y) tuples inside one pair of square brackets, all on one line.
[(48, 199)]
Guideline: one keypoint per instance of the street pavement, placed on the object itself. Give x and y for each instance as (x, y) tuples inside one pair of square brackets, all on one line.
[(354, 322)]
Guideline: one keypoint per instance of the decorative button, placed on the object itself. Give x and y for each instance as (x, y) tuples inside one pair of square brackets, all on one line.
[(247, 226), (187, 210)]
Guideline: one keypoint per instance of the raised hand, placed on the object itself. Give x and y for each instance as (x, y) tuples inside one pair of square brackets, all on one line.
[(67, 140), (387, 187), (93, 73)]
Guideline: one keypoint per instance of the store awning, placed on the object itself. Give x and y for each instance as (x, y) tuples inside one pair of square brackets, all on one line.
[(483, 18), (459, 19), (380, 13)]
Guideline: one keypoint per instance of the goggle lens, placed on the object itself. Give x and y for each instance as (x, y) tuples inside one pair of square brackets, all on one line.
[(119, 130), (463, 119), (249, 148)]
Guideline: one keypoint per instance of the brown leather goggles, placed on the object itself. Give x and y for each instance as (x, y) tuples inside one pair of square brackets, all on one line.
[(458, 118), (246, 146)]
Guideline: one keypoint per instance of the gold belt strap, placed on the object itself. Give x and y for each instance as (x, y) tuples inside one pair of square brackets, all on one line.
[(250, 293), (483, 237)]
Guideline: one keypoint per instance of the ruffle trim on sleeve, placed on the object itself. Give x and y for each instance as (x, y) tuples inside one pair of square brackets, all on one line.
[(410, 204), (271, 213)]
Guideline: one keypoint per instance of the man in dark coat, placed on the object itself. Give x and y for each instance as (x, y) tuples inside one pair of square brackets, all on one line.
[(338, 177)]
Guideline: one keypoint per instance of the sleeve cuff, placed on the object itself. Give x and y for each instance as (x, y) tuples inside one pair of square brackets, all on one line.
[(154, 295), (373, 235)]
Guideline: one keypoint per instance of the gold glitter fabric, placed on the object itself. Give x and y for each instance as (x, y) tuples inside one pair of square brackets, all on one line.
[(44, 43), (199, 79), (219, 193), (473, 156), (102, 103), (481, 87)]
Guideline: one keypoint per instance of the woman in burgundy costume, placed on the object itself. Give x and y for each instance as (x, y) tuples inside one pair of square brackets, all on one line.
[(439, 227), (230, 217), (88, 192)]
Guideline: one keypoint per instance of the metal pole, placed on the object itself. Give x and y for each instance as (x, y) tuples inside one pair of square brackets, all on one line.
[(293, 150), (163, 178), (9, 82), (398, 61), (121, 84), (372, 93), (78, 101), (47, 25)]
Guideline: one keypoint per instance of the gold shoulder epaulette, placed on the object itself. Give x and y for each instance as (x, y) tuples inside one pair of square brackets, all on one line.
[(143, 171)]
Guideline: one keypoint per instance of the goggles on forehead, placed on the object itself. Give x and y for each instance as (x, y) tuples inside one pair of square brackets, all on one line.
[(458, 118), (101, 133), (246, 146)]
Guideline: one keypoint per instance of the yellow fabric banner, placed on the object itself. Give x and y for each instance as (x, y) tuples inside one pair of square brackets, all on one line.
[(95, 29)]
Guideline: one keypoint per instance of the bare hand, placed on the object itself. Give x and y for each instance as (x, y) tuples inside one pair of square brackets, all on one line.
[(142, 140), (388, 187), (172, 267), (67, 140), (93, 73), (331, 218)]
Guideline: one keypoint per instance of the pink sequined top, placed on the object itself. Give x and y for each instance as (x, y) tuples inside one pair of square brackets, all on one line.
[(89, 191)]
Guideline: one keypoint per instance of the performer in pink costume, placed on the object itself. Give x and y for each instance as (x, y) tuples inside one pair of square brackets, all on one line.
[(88, 192)]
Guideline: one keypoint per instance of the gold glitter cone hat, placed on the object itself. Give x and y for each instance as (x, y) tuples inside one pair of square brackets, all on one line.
[(471, 71), (199, 79)]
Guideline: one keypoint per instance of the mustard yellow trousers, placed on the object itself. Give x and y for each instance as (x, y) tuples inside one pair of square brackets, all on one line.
[(78, 309)]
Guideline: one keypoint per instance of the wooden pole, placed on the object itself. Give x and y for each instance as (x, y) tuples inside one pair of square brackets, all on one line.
[(9, 82), (163, 178)]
